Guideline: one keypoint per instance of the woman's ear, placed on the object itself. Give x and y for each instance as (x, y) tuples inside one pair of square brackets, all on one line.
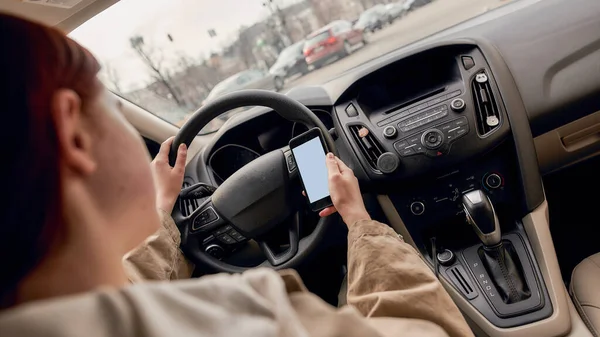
[(74, 139)]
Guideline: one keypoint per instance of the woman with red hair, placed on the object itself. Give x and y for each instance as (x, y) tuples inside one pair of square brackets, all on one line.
[(80, 195)]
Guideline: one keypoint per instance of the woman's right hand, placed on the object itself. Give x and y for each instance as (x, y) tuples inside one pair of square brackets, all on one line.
[(345, 193)]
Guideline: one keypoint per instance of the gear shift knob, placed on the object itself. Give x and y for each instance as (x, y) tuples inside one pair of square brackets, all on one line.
[(481, 215)]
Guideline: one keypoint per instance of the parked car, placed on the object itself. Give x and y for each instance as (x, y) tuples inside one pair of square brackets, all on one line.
[(373, 19), (290, 62), (395, 10), (336, 40), (247, 79)]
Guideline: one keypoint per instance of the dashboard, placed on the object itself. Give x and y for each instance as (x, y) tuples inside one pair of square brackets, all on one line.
[(450, 114)]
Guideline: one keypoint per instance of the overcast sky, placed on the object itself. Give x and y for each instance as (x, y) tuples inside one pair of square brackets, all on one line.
[(107, 35)]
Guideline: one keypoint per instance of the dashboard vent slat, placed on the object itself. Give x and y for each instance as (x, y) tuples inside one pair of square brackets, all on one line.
[(368, 145), (187, 206), (486, 108)]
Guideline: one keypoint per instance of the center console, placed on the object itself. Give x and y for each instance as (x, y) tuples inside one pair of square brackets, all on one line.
[(433, 134)]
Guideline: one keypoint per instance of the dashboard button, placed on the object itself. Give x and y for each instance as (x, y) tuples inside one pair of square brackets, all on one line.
[(417, 208), (414, 140), (406, 152), (461, 132), (400, 145), (460, 122), (351, 110)]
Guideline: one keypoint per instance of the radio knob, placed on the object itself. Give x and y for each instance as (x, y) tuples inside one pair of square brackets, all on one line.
[(390, 132), (458, 105), (432, 139)]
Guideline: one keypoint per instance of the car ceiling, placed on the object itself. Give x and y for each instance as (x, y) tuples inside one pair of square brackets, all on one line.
[(65, 19)]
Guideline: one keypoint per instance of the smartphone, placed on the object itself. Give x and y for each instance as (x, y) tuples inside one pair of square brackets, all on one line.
[(309, 151)]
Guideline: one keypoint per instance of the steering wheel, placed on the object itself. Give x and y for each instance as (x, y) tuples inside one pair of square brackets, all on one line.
[(258, 197)]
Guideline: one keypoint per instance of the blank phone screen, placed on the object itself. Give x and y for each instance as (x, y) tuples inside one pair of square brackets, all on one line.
[(310, 158)]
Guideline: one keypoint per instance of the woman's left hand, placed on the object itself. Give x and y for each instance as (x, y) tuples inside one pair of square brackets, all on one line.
[(168, 180)]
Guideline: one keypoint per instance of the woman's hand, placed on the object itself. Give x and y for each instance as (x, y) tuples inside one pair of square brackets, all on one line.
[(168, 180), (345, 193)]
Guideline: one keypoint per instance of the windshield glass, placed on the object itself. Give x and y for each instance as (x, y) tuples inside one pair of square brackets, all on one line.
[(172, 56)]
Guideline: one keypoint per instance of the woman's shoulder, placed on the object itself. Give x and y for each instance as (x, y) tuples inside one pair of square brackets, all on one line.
[(218, 305)]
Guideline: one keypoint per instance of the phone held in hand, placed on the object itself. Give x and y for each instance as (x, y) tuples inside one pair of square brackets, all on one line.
[(309, 150)]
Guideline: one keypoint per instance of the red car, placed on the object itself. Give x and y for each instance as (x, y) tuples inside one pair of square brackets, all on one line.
[(336, 40)]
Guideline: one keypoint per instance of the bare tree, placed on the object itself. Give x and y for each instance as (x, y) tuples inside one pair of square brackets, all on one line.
[(245, 49), (113, 78), (324, 11), (155, 61)]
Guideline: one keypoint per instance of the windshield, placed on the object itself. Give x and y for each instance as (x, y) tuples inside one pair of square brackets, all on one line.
[(172, 56)]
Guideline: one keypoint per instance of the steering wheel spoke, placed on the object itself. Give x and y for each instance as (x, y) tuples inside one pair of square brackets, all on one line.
[(276, 259)]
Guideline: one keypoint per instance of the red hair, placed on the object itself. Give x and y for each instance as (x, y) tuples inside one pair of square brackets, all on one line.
[(37, 61)]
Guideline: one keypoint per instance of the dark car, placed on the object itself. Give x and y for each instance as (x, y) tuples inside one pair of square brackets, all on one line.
[(290, 62), (373, 19), (336, 40)]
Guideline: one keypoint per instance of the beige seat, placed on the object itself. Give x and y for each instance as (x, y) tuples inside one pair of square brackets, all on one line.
[(586, 292)]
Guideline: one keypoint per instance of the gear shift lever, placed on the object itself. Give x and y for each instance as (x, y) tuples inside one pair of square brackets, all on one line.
[(500, 259), (481, 215)]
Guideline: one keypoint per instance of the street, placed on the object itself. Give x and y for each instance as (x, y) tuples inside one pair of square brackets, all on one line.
[(417, 24)]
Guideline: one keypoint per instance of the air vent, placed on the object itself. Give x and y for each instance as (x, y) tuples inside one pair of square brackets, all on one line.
[(188, 206), (486, 109), (368, 145)]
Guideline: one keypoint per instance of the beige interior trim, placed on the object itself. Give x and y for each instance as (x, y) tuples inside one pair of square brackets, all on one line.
[(157, 129), (564, 321), (63, 18), (569, 144)]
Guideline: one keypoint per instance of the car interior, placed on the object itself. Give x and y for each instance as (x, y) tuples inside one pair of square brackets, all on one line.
[(481, 152)]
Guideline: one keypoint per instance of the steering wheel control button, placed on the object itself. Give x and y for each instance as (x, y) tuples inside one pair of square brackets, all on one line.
[(423, 118), (493, 181), (467, 62), (417, 208), (432, 139), (351, 110), (291, 162), (215, 251), (390, 132), (225, 238), (388, 162), (458, 105), (203, 219), (446, 257)]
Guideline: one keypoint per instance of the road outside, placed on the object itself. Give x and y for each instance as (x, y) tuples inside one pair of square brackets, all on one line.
[(416, 25)]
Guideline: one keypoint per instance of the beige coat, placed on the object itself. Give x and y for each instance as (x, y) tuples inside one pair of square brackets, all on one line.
[(391, 292)]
